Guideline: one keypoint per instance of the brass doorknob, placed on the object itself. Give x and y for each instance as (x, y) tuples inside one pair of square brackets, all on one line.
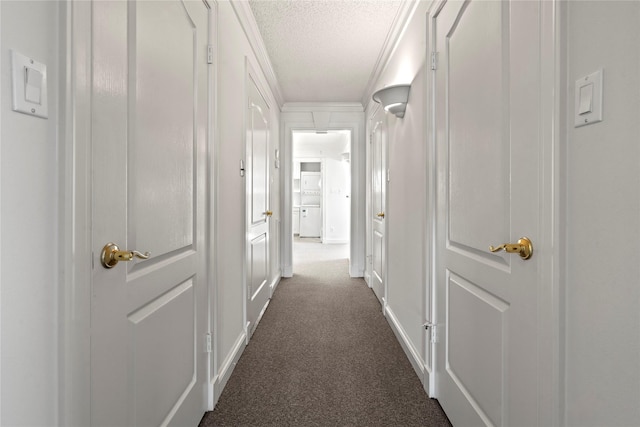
[(267, 213), (524, 248), (111, 255), (380, 215)]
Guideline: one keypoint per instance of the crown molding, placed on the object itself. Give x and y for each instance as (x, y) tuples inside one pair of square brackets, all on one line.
[(347, 107), (399, 26), (251, 30)]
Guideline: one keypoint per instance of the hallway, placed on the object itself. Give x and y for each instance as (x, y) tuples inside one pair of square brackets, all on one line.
[(324, 355)]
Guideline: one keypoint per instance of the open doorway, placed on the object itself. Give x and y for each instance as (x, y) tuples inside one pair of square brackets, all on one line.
[(321, 195)]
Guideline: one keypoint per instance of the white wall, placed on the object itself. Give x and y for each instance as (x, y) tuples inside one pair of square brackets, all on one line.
[(406, 215), (28, 225), (230, 191), (603, 220)]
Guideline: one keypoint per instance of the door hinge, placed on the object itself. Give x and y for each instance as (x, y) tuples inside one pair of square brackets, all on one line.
[(209, 54), (242, 168), (432, 328), (434, 60), (208, 342)]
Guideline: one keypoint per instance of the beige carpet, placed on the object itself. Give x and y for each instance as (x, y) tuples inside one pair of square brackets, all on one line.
[(323, 355)]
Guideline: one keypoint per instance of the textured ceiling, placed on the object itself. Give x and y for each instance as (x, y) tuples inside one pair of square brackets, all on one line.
[(324, 50)]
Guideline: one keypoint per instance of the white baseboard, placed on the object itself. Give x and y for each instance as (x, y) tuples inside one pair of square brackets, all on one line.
[(335, 241), (355, 272), (287, 271), (274, 283), (228, 366), (413, 355)]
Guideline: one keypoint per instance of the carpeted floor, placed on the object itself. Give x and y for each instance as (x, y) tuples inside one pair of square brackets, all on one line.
[(323, 355)]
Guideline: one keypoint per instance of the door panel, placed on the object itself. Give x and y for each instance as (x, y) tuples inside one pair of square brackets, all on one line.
[(149, 127), (487, 131), (480, 381), (378, 197), (257, 166), (258, 266), (165, 125), (163, 374), (483, 188)]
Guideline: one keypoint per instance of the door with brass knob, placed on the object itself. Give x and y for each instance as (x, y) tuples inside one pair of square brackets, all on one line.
[(258, 216), (489, 130), (378, 205), (149, 167)]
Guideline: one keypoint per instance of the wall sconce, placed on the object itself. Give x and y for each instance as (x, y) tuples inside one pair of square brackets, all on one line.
[(393, 98)]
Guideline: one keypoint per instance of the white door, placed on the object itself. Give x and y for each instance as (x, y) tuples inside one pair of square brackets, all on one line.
[(488, 138), (378, 197), (149, 127), (258, 213)]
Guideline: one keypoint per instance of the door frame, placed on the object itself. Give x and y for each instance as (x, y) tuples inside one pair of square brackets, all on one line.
[(343, 116), (75, 212), (549, 248)]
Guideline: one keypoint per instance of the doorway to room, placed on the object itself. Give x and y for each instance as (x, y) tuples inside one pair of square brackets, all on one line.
[(321, 195)]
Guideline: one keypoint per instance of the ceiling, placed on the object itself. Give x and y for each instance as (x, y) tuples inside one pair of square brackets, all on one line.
[(326, 50), (312, 144)]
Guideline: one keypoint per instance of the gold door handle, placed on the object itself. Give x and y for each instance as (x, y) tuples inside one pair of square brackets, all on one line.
[(267, 213), (380, 215), (524, 248), (111, 255)]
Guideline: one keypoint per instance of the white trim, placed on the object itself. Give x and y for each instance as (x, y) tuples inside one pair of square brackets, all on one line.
[(251, 30), (551, 268), (59, 359), (345, 107), (430, 224), (227, 367), (352, 121), (412, 354), (399, 26), (275, 281), (334, 241), (75, 217), (255, 325), (212, 203)]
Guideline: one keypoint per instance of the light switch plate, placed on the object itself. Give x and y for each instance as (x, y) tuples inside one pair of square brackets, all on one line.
[(588, 111), (20, 66)]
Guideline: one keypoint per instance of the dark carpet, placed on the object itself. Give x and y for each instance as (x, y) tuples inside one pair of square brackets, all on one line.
[(323, 355)]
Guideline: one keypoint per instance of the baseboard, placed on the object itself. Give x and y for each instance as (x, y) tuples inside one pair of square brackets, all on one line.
[(274, 283), (255, 325), (287, 271), (355, 272), (409, 349), (335, 241), (228, 366)]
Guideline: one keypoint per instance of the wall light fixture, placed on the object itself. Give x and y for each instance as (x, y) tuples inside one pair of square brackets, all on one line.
[(393, 98)]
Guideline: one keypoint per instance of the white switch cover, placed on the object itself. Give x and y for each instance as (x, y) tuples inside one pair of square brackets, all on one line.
[(29, 86), (588, 99)]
